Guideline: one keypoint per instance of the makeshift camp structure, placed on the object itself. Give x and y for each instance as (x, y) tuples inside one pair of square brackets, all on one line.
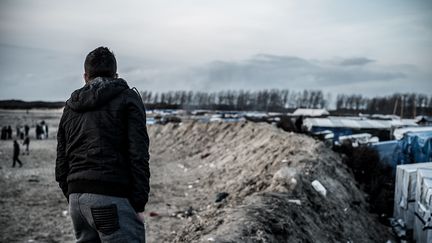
[(424, 120), (414, 147), (399, 133), (358, 139), (311, 112), (341, 126), (423, 207), (405, 192), (386, 151)]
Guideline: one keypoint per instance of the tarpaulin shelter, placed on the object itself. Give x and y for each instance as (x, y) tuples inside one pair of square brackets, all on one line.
[(386, 151), (399, 133), (405, 192), (423, 207), (414, 147), (342, 126)]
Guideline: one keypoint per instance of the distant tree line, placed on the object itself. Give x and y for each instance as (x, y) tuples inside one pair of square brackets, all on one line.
[(406, 104), (19, 104), (262, 100), (277, 100)]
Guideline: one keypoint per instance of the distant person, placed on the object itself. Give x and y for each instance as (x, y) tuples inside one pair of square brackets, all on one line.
[(26, 142), (16, 151), (39, 131), (18, 131), (102, 161), (3, 133), (26, 130), (44, 129), (299, 124), (9, 132)]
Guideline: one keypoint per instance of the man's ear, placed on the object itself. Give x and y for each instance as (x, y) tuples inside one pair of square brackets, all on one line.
[(86, 77), (116, 75)]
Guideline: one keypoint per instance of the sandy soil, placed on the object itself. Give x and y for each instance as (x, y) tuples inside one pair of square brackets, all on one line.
[(257, 164), (34, 209)]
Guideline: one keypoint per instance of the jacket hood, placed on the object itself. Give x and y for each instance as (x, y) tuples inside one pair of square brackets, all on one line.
[(96, 93)]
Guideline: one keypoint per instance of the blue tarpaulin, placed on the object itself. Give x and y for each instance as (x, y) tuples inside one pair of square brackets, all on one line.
[(414, 147), (422, 147), (386, 151)]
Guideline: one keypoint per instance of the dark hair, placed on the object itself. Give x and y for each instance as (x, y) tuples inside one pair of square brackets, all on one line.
[(100, 62)]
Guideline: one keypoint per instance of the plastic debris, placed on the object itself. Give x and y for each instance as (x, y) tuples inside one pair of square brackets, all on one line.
[(33, 178), (203, 156), (296, 201), (398, 226), (189, 212), (319, 187), (221, 196)]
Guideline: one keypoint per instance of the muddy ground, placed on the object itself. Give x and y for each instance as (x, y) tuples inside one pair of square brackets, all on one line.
[(266, 172)]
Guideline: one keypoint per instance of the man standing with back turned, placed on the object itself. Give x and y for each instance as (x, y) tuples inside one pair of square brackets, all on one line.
[(102, 161)]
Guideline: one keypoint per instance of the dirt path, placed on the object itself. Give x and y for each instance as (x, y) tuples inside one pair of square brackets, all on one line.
[(34, 209)]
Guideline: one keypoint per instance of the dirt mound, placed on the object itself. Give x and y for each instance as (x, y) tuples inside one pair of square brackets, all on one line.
[(267, 173)]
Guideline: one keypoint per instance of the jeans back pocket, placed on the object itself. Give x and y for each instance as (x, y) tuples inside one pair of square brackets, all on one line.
[(106, 218)]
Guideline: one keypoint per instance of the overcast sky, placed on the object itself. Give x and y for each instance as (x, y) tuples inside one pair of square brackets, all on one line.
[(364, 47)]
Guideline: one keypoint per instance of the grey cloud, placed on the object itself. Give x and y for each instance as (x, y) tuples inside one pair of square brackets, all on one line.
[(34, 74), (271, 71), (291, 61), (340, 76), (356, 61)]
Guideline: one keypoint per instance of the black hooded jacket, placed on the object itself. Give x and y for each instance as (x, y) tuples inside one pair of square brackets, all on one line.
[(103, 143)]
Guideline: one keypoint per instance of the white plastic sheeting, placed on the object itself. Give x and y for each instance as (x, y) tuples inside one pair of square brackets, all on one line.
[(405, 192), (311, 112), (399, 133), (423, 207), (353, 123)]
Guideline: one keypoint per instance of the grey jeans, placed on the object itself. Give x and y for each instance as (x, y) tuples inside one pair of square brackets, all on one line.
[(100, 218)]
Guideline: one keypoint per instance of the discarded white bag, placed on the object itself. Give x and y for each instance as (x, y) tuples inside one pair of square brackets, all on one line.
[(319, 187)]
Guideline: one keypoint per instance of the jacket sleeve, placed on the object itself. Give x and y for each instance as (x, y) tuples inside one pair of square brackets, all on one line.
[(138, 150), (62, 165)]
